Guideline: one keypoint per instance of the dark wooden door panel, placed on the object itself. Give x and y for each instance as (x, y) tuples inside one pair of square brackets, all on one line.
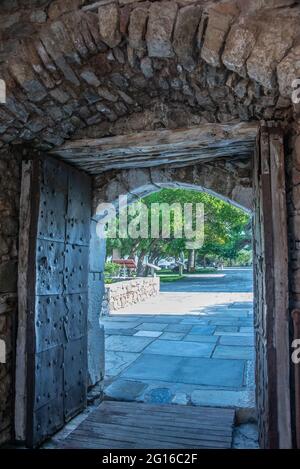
[(57, 323)]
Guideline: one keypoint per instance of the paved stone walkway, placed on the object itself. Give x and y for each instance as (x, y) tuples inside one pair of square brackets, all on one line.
[(201, 355)]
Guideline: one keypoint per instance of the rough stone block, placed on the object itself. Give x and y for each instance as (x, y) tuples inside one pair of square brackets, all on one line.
[(58, 7), (38, 16), (239, 44), (184, 34), (25, 76), (90, 77), (127, 2), (160, 27), (269, 50), (219, 21), (106, 94), (296, 197), (137, 28), (109, 24), (250, 6), (146, 67), (289, 70)]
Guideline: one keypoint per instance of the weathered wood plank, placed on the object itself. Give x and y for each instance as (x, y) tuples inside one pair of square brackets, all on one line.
[(154, 148), (281, 287), (296, 327), (271, 291), (269, 399), (198, 412), (24, 243), (138, 425), (162, 431)]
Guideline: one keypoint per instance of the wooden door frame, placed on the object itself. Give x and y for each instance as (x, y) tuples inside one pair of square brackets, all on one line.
[(269, 139), (271, 290)]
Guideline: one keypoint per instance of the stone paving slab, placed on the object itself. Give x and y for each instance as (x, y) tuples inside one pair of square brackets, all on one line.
[(202, 330), (246, 322), (113, 331), (172, 335), (195, 320), (126, 317), (229, 313), (119, 343), (240, 353), (201, 338), (249, 378), (125, 390), (122, 324), (180, 348), (223, 398), (227, 329), (235, 334), (147, 334), (243, 304), (245, 436), (115, 362), (246, 329), (152, 326), (189, 370), (225, 321), (237, 340), (178, 328)]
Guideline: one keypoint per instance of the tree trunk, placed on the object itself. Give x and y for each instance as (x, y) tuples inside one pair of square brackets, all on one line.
[(140, 269), (191, 261)]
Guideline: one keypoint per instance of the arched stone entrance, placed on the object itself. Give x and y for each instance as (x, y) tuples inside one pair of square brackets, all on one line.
[(229, 180)]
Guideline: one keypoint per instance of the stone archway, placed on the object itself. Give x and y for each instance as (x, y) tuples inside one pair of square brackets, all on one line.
[(229, 180)]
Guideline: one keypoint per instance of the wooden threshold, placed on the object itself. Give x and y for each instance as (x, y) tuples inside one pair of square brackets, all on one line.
[(131, 425)]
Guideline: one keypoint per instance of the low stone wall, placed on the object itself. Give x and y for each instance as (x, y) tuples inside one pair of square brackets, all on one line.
[(121, 294)]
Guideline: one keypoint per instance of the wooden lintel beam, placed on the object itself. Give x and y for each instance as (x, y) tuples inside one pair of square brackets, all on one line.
[(152, 148)]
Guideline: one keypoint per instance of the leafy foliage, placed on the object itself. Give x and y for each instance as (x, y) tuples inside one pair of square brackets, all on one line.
[(227, 231)]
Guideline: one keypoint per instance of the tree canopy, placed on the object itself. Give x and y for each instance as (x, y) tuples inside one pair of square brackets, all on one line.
[(227, 230)]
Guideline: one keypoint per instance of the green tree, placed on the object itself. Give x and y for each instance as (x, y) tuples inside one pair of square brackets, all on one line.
[(227, 231)]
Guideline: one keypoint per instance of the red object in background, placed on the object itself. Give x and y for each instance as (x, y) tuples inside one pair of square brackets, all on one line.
[(129, 263)]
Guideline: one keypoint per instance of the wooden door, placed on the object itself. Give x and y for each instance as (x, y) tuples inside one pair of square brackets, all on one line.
[(56, 297), (271, 291)]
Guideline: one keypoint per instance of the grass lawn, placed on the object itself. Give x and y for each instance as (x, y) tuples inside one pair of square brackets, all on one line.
[(164, 278), (207, 270)]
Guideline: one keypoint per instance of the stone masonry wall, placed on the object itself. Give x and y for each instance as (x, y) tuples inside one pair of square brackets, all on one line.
[(9, 204), (132, 65), (121, 294)]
